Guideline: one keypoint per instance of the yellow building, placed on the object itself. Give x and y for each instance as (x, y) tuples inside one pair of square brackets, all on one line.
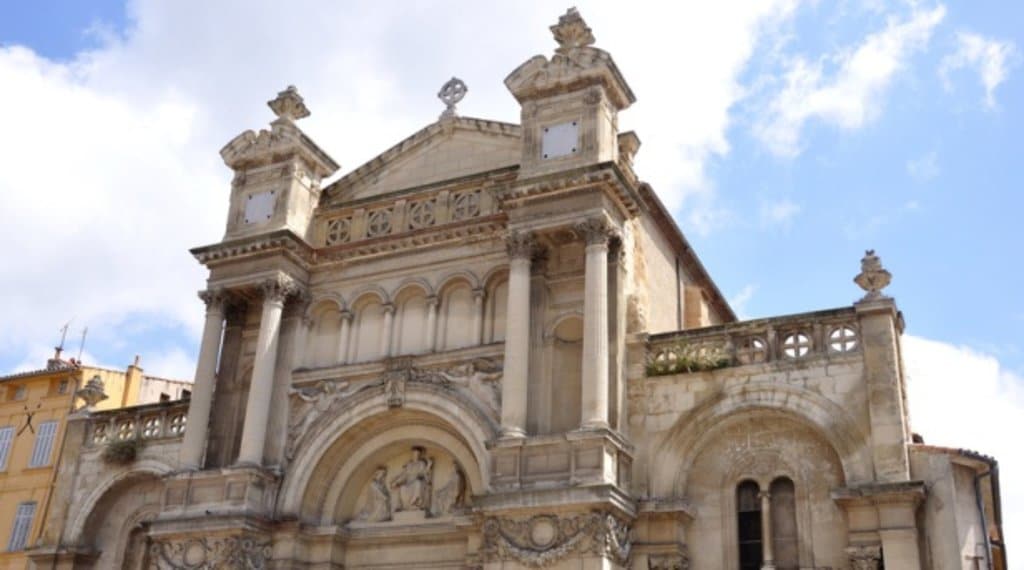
[(34, 407)]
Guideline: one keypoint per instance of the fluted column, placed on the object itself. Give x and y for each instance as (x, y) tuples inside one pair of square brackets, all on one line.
[(198, 423), (343, 336), (478, 316), (257, 409), (388, 332), (767, 556), (432, 302), (596, 233), (521, 248)]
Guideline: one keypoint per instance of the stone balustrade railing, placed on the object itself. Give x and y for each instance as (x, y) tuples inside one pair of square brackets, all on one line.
[(164, 420), (791, 338), (407, 214)]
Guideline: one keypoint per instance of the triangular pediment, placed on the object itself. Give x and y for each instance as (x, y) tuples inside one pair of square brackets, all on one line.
[(448, 149)]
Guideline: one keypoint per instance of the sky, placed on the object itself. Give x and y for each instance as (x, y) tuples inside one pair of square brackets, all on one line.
[(786, 136)]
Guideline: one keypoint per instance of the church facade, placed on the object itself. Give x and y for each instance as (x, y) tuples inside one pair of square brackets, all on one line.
[(491, 347)]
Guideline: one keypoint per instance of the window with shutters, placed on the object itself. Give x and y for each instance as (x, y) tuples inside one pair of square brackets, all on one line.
[(6, 441), (21, 527), (44, 444)]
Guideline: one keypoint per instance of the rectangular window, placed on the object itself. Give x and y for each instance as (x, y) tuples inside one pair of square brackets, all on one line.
[(22, 526), (6, 441), (44, 444)]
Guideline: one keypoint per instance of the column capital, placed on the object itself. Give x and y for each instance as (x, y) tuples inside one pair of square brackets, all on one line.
[(864, 557), (215, 298), (521, 245), (433, 300), (389, 308), (596, 231), (276, 289), (764, 495), (478, 293), (347, 315)]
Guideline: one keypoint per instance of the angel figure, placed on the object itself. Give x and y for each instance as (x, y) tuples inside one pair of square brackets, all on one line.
[(378, 498)]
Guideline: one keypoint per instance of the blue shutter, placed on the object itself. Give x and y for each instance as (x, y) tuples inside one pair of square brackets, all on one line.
[(21, 527)]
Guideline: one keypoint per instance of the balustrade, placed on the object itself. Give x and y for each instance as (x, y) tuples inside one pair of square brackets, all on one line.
[(162, 421)]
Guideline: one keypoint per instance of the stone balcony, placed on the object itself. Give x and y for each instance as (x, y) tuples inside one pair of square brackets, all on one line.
[(149, 422), (788, 340)]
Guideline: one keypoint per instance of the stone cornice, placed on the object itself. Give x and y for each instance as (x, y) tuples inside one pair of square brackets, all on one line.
[(283, 140), (280, 241), (607, 175), (912, 492), (574, 70)]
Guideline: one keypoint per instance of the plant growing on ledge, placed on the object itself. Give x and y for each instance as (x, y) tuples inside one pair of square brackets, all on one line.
[(686, 358), (121, 452)]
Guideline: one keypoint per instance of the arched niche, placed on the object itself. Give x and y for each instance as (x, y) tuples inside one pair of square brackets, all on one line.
[(322, 342), (566, 374), (410, 334), (765, 447), (496, 307), (368, 328), (457, 315), (116, 523)]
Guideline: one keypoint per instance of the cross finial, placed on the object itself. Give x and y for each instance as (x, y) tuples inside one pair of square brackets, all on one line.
[(450, 94), (872, 277), (571, 31), (289, 105)]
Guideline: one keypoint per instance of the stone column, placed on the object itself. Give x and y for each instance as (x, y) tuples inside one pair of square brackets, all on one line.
[(257, 409), (521, 248), (596, 233), (432, 302), (478, 316), (343, 336), (767, 556), (198, 422), (389, 329)]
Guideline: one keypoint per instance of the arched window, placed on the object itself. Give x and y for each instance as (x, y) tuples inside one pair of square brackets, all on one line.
[(748, 517), (411, 323), (497, 304), (368, 330), (784, 535), (322, 343), (457, 309)]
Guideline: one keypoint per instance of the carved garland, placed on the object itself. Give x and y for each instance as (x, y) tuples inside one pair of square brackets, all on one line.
[(203, 553), (543, 540)]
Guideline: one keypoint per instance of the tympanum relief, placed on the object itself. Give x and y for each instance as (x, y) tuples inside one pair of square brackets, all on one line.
[(413, 486)]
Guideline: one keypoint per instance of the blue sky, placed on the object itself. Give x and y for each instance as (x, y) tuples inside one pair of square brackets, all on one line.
[(787, 136)]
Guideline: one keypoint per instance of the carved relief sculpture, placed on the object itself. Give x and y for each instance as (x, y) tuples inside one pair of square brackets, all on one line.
[(307, 405), (452, 496), (378, 498), (543, 540), (413, 483)]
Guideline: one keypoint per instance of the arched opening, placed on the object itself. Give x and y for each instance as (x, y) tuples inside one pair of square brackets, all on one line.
[(497, 306), (784, 531), (748, 525), (411, 322), (117, 526), (457, 320), (369, 328)]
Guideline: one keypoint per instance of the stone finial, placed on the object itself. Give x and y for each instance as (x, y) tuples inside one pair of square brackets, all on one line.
[(450, 94), (92, 393), (571, 32), (872, 277), (289, 105)]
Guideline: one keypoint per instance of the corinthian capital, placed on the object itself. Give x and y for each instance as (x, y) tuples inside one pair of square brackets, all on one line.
[(596, 231), (214, 298), (278, 288), (521, 245), (864, 557)]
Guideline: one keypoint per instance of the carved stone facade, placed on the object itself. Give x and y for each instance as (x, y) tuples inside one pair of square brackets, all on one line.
[(491, 347)]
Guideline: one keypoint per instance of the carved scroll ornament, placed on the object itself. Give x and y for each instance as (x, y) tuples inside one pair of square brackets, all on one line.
[(202, 553), (543, 540)]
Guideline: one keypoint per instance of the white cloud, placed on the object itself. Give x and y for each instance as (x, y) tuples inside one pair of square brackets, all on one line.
[(779, 213), (990, 58), (739, 301), (924, 168), (962, 398), (846, 88)]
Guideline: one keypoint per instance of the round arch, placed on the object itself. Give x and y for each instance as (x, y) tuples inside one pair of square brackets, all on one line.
[(675, 454), (368, 416), (320, 300), (144, 469), (450, 279), (360, 295), (410, 286)]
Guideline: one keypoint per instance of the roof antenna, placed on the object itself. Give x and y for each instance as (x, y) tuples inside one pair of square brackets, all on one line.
[(81, 345), (63, 335)]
